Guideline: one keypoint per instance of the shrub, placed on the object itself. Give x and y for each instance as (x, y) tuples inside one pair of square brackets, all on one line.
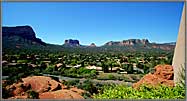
[(88, 86), (145, 92), (22, 61), (111, 77), (71, 83)]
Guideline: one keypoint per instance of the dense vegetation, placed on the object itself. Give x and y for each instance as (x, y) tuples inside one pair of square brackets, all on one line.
[(144, 92), (46, 63)]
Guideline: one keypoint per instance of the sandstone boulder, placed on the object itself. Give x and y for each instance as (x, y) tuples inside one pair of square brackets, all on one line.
[(41, 83), (18, 88), (75, 89), (18, 97), (60, 94), (46, 87), (163, 75), (164, 71)]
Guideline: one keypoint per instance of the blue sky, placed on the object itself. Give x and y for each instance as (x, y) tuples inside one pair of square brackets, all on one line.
[(96, 22)]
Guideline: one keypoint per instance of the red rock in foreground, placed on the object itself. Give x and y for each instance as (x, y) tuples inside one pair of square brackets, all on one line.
[(60, 94), (46, 87), (41, 83), (163, 75)]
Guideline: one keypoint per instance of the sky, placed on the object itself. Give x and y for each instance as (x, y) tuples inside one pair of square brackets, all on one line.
[(96, 22)]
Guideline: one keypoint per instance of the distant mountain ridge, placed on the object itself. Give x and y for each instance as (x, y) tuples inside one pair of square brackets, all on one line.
[(144, 43), (129, 42), (14, 35), (170, 43)]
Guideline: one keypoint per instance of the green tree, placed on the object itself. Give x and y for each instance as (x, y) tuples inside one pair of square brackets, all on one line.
[(130, 69), (105, 67)]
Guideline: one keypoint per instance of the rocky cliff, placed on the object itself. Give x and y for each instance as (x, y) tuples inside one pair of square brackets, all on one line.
[(25, 32), (129, 42), (144, 42), (163, 46)]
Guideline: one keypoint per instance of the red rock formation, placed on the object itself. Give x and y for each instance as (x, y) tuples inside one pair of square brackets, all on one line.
[(75, 89), (18, 97), (129, 42), (164, 71), (60, 94), (41, 83), (18, 88), (163, 75), (45, 86), (163, 46)]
